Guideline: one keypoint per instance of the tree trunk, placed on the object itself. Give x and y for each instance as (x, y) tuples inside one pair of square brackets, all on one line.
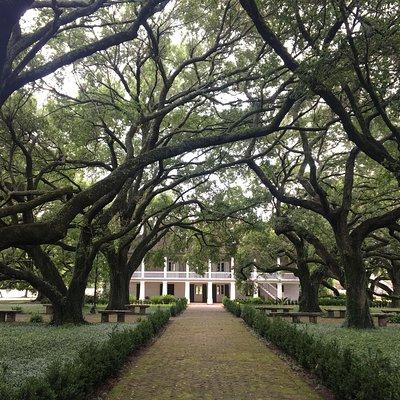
[(119, 288), (394, 274), (69, 311), (358, 313), (308, 298)]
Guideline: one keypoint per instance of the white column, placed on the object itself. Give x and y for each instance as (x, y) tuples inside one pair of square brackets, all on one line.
[(209, 293), (164, 288), (232, 291), (165, 267), (279, 292), (187, 270), (142, 269), (209, 269), (187, 291), (254, 279), (142, 293)]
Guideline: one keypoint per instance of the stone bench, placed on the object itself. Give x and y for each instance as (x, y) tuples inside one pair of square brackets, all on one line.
[(312, 316), (142, 307), (331, 313), (275, 309), (8, 316), (49, 309), (382, 319), (105, 315)]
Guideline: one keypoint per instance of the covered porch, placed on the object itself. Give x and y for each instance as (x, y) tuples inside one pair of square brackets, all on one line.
[(195, 292)]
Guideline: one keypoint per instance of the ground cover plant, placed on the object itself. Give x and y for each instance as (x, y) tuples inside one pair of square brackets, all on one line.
[(27, 350), (74, 379), (384, 341), (351, 373)]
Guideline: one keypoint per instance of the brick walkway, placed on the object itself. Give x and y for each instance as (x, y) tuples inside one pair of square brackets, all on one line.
[(207, 353)]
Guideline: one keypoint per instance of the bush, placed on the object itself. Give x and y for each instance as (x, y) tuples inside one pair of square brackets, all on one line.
[(36, 318), (253, 300), (232, 306), (17, 309), (179, 306), (395, 319), (260, 300), (332, 301), (349, 375), (341, 301), (166, 299), (95, 363)]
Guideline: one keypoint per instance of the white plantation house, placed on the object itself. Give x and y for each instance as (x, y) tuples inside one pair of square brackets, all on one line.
[(219, 280)]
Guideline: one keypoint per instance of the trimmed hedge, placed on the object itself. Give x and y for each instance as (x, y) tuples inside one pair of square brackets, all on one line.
[(348, 375), (95, 363), (178, 306), (260, 300), (341, 301), (165, 299), (232, 306)]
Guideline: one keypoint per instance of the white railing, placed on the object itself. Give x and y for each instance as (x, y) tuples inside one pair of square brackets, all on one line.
[(221, 275), (180, 275), (266, 276), (214, 275), (286, 276), (270, 290)]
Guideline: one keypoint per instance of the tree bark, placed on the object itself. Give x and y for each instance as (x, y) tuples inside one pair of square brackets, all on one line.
[(119, 288), (119, 277), (308, 298), (69, 311), (358, 313), (394, 274)]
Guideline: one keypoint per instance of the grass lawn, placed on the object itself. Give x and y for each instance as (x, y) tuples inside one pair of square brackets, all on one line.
[(383, 340), (26, 350)]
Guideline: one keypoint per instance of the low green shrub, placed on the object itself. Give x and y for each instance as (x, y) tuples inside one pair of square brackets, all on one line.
[(395, 319), (36, 318), (166, 299), (260, 300), (349, 375), (332, 301), (232, 306), (94, 364), (17, 309), (254, 300), (341, 301)]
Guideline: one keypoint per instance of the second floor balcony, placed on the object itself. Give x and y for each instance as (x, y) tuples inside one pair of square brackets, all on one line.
[(222, 271)]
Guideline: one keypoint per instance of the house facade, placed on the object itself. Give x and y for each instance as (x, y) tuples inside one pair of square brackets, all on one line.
[(177, 278)]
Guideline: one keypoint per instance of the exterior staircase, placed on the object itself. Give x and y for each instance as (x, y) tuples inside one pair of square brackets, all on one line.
[(268, 290)]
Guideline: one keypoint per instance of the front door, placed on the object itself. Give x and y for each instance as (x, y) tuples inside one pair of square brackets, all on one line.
[(227, 291), (171, 289), (192, 292), (204, 293), (219, 292), (214, 292), (137, 291)]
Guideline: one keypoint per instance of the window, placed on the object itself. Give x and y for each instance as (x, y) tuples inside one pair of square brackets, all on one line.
[(221, 267), (171, 266), (220, 289), (198, 289)]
